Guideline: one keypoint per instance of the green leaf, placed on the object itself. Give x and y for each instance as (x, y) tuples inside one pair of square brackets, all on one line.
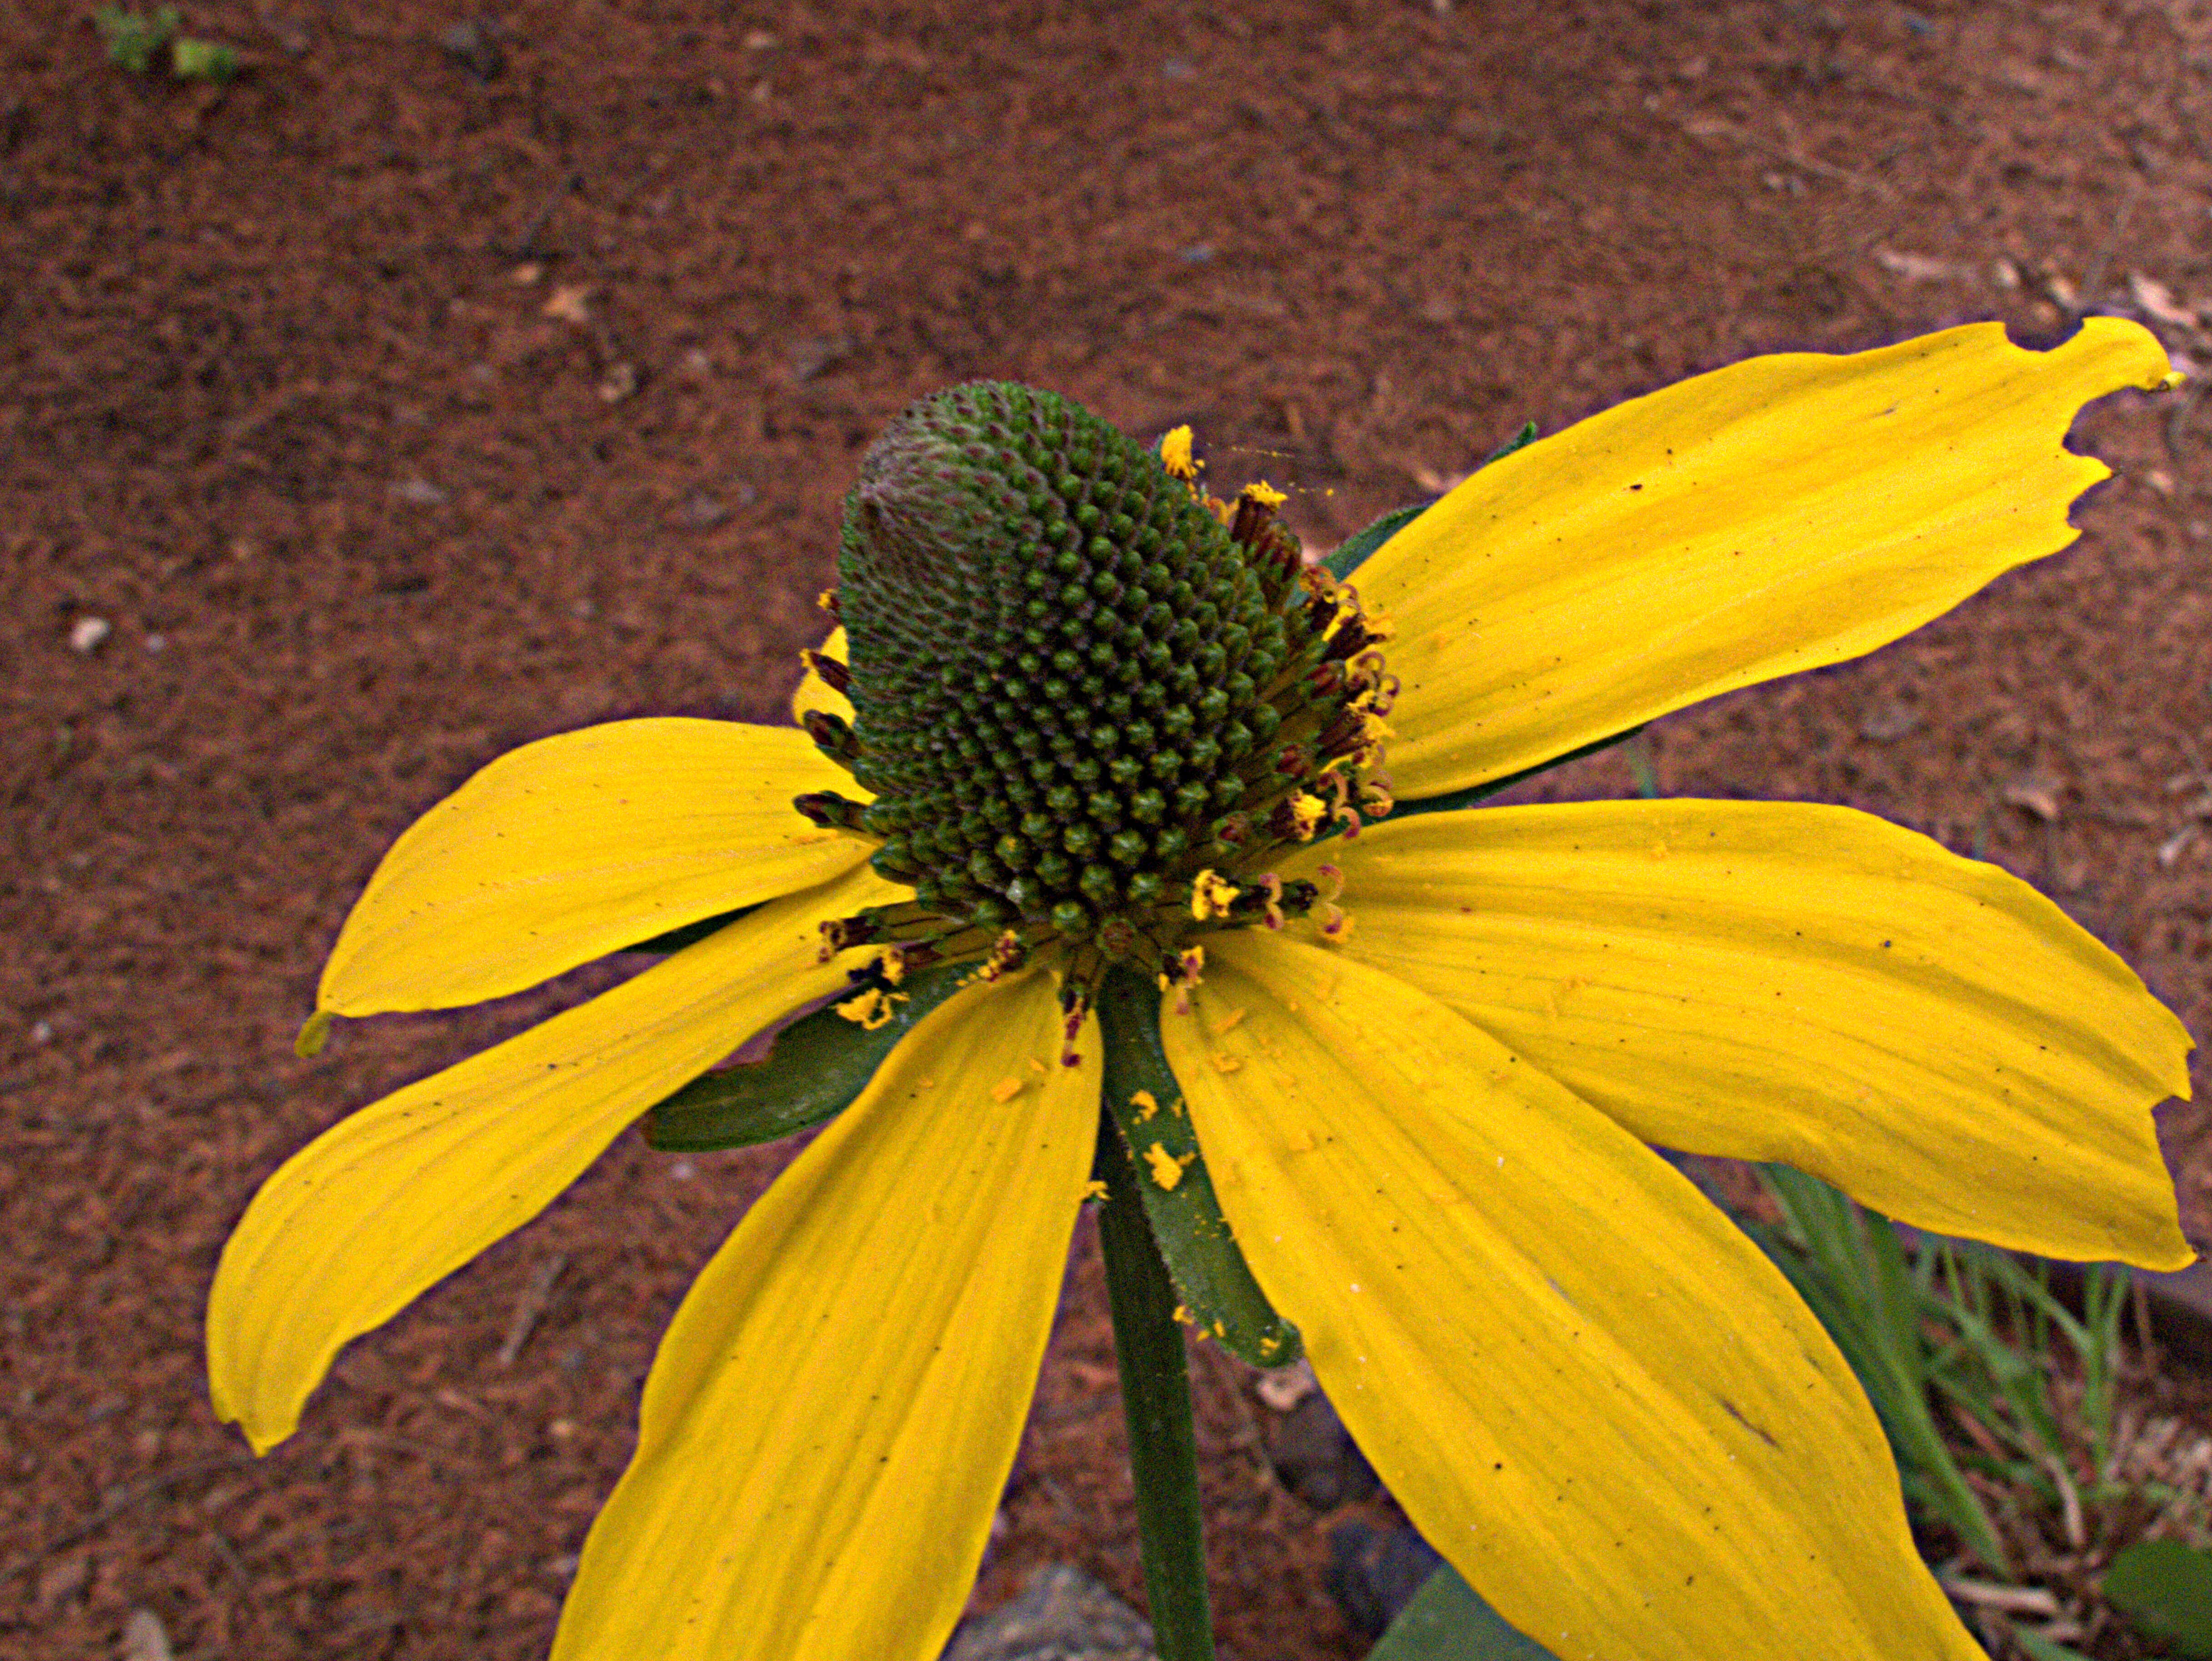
[(2166, 1589), (818, 1067), (1448, 1621), (692, 933), (203, 60), (1351, 553), (1453, 801), (2037, 1647), (1219, 1292), (131, 39), (1520, 440)]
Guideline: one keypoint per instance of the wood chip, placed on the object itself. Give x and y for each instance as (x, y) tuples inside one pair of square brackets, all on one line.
[(2037, 792), (145, 1638), (529, 1306), (2016, 1600), (1287, 1386), (2158, 301)]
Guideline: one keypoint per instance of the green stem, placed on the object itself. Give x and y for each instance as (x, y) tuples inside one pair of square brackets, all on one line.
[(1156, 1401)]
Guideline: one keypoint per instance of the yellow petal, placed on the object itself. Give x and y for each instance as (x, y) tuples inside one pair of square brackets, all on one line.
[(1590, 1393), (833, 1411), (815, 692), (1779, 982), (1776, 514), (393, 1198), (578, 846)]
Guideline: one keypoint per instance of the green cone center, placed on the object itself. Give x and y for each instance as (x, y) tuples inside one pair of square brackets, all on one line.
[(1089, 701)]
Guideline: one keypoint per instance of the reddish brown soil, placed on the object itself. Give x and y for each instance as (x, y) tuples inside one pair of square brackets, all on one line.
[(390, 414)]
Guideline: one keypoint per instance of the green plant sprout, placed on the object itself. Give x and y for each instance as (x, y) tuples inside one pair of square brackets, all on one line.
[(135, 39), (1999, 1400), (203, 60)]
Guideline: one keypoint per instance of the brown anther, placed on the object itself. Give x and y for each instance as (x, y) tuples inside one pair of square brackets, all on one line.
[(1008, 952), (834, 674), (1292, 761), (843, 933), (828, 810), (832, 735), (1352, 638)]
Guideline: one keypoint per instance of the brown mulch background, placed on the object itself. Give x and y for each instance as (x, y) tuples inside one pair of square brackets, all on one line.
[(419, 395)]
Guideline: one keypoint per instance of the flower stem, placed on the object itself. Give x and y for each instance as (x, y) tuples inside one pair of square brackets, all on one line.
[(1156, 1401)]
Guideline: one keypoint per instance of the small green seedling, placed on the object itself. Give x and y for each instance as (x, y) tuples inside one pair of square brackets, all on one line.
[(2164, 1588), (133, 40), (203, 60)]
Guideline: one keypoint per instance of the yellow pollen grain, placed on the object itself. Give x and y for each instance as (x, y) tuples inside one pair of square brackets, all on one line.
[(1657, 850), (1210, 895), (1167, 1169), (1005, 1089), (1094, 1191), (1182, 1314), (871, 1010), (1039, 1068), (890, 965), (1230, 1022), (1147, 1105), (1174, 454), (1301, 1141), (1226, 1062), (827, 601), (1265, 494)]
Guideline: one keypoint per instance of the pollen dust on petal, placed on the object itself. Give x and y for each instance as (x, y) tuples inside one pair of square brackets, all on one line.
[(1005, 1089), (871, 1009), (1230, 1022), (1226, 1062), (1167, 1169)]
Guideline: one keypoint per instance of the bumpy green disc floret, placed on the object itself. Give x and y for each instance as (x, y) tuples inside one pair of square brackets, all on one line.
[(1079, 686)]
